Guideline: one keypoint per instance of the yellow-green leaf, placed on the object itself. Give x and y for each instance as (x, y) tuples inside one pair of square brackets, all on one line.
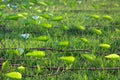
[(43, 38), (113, 56), (68, 59), (63, 43), (5, 66), (14, 75), (89, 57), (57, 18), (36, 54), (105, 46)]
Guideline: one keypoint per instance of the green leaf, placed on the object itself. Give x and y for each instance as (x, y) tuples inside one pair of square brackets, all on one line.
[(107, 17), (42, 3), (95, 6), (63, 43), (105, 46), (82, 28), (5, 66), (46, 25), (47, 16), (95, 16), (14, 75), (36, 54), (99, 32), (21, 68), (2, 6), (43, 38), (84, 40), (0, 14), (57, 18), (12, 17), (13, 52), (67, 59), (113, 56), (89, 57)]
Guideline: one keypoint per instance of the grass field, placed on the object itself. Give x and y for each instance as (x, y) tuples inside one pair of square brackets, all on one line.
[(60, 40)]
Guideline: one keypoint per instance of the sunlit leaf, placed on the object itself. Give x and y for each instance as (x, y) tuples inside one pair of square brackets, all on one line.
[(67, 59), (84, 40), (46, 25), (12, 17), (107, 17), (105, 46), (37, 54), (89, 57), (2, 6), (116, 5), (43, 38), (82, 28), (97, 31), (113, 56), (42, 3), (21, 68), (95, 16), (13, 52), (57, 18), (63, 43), (14, 75), (47, 16), (5, 66)]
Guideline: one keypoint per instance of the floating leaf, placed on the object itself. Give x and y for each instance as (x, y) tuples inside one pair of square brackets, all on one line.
[(43, 38), (107, 17), (63, 43), (105, 46), (5, 66), (95, 16), (21, 68), (113, 56), (68, 59), (46, 25), (89, 57), (36, 54), (14, 75), (84, 40), (57, 18)]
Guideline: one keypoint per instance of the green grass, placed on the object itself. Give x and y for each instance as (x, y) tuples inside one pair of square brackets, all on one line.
[(68, 30)]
